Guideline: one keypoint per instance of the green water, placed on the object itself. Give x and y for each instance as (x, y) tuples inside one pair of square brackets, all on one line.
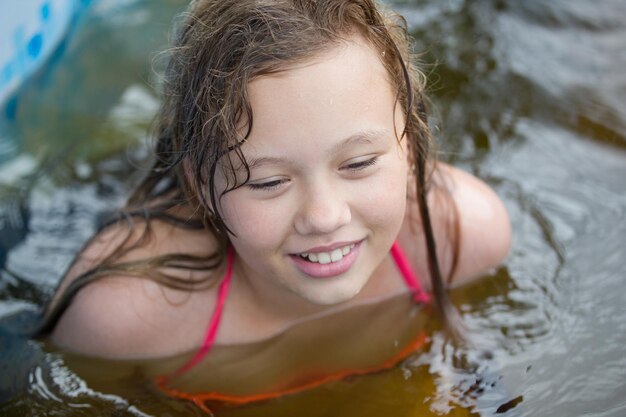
[(530, 96)]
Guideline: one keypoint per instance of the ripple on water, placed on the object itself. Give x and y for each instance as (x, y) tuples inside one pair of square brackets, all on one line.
[(577, 363)]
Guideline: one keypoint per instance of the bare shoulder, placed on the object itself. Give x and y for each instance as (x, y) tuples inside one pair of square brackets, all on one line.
[(126, 316), (470, 223), (129, 317), (479, 222)]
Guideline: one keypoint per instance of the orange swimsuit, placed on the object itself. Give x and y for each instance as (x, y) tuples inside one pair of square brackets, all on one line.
[(201, 399)]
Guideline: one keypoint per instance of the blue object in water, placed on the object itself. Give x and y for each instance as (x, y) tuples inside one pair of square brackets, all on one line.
[(30, 31)]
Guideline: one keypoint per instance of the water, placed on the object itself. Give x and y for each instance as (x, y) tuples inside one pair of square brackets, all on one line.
[(530, 96)]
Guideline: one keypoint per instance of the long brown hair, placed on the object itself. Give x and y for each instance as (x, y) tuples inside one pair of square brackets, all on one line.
[(219, 48)]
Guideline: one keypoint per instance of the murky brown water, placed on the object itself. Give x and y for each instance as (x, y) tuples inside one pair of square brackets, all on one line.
[(529, 95)]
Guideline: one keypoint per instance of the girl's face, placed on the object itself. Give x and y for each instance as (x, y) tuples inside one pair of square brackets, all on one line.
[(327, 190)]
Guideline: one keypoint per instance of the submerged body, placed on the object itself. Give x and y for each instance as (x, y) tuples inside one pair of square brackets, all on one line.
[(327, 172)]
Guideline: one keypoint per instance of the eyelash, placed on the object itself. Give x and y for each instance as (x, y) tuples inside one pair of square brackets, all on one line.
[(358, 166), (266, 186), (271, 185)]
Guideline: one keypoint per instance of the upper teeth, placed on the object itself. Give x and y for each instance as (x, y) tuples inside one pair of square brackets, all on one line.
[(328, 257)]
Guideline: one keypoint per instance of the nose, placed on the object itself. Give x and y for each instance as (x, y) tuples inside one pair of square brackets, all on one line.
[(323, 209)]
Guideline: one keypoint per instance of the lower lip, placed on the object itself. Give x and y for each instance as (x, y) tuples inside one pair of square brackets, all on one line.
[(332, 269)]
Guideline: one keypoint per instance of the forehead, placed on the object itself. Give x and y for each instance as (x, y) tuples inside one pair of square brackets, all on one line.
[(333, 95)]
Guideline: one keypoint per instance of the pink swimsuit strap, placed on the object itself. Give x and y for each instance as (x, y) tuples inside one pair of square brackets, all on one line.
[(412, 282), (214, 324), (411, 279)]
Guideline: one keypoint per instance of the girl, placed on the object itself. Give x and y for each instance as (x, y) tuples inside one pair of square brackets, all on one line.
[(292, 181)]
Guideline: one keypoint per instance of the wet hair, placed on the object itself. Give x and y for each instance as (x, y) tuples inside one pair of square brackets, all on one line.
[(219, 48)]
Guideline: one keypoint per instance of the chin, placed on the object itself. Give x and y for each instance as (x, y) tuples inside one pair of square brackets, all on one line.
[(331, 297)]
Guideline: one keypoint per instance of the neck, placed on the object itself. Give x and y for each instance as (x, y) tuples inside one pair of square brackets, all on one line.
[(277, 304), (272, 303)]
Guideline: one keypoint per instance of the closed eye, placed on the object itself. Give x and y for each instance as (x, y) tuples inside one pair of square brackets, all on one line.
[(360, 165), (267, 185)]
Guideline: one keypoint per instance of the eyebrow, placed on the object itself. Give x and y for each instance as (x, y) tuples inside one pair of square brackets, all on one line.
[(364, 137)]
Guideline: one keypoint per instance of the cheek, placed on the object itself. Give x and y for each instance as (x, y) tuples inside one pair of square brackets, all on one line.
[(383, 202), (255, 224)]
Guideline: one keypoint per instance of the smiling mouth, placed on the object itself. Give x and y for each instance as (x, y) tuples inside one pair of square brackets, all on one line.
[(327, 257)]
